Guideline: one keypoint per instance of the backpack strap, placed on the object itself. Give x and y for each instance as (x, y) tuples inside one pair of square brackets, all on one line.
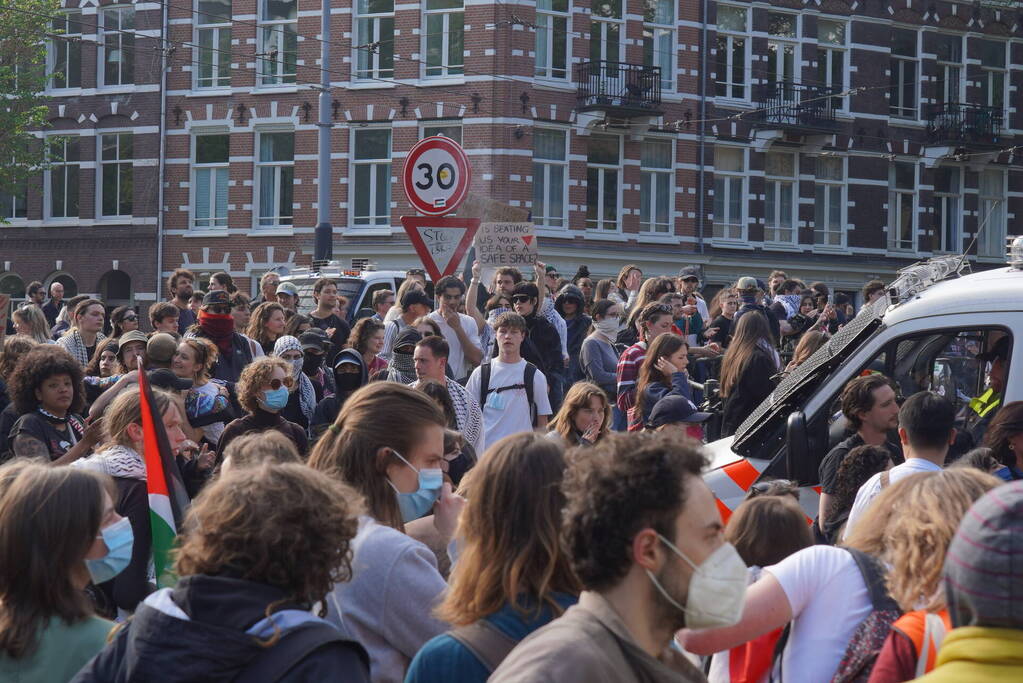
[(275, 661), (885, 480), (484, 383), (489, 644), (529, 374), (873, 576)]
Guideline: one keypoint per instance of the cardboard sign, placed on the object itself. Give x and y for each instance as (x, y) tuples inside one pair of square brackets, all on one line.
[(505, 244), (440, 242)]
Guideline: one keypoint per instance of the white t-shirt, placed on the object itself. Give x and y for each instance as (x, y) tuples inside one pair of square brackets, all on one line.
[(829, 600), (456, 357), (507, 412), (872, 488)]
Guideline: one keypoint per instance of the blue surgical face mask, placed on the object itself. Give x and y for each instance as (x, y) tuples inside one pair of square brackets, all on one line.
[(119, 540), (1003, 473), (418, 504), (274, 400)]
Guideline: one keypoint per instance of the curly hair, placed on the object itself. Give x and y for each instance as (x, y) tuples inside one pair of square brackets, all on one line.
[(14, 348), (858, 465), (622, 485), (362, 332), (161, 310), (918, 538), (295, 322), (257, 325), (255, 375), (206, 354), (37, 366), (283, 525)]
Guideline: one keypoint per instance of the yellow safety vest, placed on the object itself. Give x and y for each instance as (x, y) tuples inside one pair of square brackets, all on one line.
[(985, 403)]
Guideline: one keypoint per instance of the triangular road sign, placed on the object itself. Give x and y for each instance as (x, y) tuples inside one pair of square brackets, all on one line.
[(441, 242)]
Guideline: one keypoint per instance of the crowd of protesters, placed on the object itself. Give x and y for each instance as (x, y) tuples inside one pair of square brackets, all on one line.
[(486, 481)]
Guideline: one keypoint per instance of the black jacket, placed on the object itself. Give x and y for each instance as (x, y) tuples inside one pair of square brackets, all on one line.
[(754, 385), (542, 347), (578, 327), (211, 644)]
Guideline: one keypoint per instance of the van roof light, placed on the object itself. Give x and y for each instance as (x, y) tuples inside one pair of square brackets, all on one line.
[(916, 278), (1015, 252)]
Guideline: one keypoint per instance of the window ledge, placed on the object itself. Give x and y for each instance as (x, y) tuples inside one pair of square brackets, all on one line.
[(730, 244), (555, 84), (358, 84), (367, 230), (274, 89), (116, 89), (63, 92), (282, 231), (222, 232), (431, 81), (733, 103), (830, 249), (782, 246), (657, 238), (607, 235), (209, 92)]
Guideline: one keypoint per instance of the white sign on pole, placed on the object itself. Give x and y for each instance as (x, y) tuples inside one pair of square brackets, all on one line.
[(505, 244)]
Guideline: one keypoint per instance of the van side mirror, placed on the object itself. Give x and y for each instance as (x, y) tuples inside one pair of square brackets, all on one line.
[(797, 455)]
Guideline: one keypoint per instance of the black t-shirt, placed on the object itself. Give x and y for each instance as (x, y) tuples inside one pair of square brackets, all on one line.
[(186, 318), (829, 466), (90, 351), (724, 326), (58, 442), (341, 332)]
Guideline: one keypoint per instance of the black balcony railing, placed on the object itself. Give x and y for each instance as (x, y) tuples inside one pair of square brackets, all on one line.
[(798, 106), (618, 88), (965, 124)]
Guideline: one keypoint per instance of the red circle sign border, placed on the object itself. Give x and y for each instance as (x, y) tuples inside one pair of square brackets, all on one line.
[(464, 174)]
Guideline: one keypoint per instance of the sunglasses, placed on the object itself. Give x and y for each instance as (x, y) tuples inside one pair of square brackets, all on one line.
[(521, 299), (276, 384), (130, 318)]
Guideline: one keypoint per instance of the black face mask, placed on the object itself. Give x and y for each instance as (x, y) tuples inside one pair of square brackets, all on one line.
[(312, 363), (348, 381)]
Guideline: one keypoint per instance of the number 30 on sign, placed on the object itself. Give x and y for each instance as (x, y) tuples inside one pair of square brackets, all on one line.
[(436, 176)]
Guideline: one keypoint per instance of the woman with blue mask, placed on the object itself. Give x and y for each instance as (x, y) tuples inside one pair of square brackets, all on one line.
[(58, 532), (388, 444), (264, 389)]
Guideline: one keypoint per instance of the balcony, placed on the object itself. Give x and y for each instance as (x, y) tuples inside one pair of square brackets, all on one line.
[(797, 107), (618, 89), (968, 125)]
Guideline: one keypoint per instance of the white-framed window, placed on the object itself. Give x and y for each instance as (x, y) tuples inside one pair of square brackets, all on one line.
[(603, 182), (64, 53), (116, 186), (659, 39), (904, 74), (370, 198), (550, 174), (781, 47), (13, 203), (656, 185), (276, 178), (732, 53), (116, 46), (213, 36), (780, 198), (607, 33), (209, 181), (449, 129), (902, 206), (949, 51), (552, 39), (832, 58), (61, 181), (993, 74), (991, 199), (948, 203), (445, 38), (729, 191), (829, 186), (278, 41), (374, 23)]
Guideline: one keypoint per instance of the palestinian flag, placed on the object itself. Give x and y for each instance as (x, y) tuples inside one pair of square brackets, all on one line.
[(167, 497)]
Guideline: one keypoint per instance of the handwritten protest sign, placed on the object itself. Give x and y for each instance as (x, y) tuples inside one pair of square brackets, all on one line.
[(505, 244), (441, 242)]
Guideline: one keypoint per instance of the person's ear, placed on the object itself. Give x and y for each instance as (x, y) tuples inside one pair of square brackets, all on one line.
[(952, 436), (646, 550), (135, 433), (904, 436)]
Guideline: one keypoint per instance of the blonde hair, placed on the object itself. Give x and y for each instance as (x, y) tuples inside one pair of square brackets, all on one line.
[(578, 397), (33, 317), (126, 410)]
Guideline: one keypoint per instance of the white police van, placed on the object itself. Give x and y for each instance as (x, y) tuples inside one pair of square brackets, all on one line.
[(355, 284), (924, 335)]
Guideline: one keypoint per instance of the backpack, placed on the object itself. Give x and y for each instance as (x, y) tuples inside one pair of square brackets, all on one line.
[(867, 640), (273, 663), (488, 643), (528, 375)]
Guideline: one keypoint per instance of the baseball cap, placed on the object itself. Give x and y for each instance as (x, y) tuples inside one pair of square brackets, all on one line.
[(314, 338), (673, 409), (551, 269), (218, 298), (689, 271), (415, 296), (133, 336), (410, 336), (287, 288), (999, 350), (166, 379), (748, 283), (161, 347)]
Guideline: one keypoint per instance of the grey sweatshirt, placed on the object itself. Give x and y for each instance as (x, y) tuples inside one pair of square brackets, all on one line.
[(600, 364)]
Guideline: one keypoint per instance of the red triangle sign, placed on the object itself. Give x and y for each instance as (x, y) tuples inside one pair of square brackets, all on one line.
[(441, 242), (527, 239)]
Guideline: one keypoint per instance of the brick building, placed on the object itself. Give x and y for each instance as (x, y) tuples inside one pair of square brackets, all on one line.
[(836, 140)]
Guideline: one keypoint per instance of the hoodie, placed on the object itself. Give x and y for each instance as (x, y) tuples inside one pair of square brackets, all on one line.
[(578, 327), (207, 629), (327, 409)]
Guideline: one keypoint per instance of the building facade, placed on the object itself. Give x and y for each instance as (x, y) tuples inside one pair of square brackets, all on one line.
[(835, 140)]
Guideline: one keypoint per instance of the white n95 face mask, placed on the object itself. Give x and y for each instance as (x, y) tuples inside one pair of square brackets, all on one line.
[(717, 588)]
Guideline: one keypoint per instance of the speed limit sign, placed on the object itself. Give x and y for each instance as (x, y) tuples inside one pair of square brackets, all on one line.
[(436, 175)]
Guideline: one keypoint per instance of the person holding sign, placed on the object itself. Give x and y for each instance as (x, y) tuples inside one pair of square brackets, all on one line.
[(459, 330)]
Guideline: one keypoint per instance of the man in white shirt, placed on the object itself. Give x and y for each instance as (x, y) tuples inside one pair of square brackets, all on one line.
[(926, 432), (458, 329), (503, 385), (431, 358)]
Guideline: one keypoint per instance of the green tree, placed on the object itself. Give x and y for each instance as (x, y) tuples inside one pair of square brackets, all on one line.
[(25, 28)]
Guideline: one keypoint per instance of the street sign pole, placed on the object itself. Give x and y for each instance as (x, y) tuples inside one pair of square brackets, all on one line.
[(323, 248)]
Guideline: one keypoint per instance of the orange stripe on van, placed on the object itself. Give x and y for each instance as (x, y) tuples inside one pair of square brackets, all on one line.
[(723, 510), (742, 473)]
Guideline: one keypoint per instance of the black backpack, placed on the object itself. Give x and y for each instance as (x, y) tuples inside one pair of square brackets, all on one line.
[(528, 375)]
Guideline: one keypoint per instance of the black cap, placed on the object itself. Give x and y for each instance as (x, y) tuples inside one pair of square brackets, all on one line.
[(999, 350), (673, 409), (314, 338), (165, 379), (689, 271), (415, 296), (410, 336), (220, 297)]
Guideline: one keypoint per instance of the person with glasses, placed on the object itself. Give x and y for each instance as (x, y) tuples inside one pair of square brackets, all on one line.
[(459, 330), (263, 391), (123, 319)]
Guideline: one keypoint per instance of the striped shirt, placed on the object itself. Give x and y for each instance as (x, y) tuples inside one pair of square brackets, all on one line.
[(628, 373)]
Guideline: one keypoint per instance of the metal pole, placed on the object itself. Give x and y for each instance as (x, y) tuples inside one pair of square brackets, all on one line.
[(323, 248)]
